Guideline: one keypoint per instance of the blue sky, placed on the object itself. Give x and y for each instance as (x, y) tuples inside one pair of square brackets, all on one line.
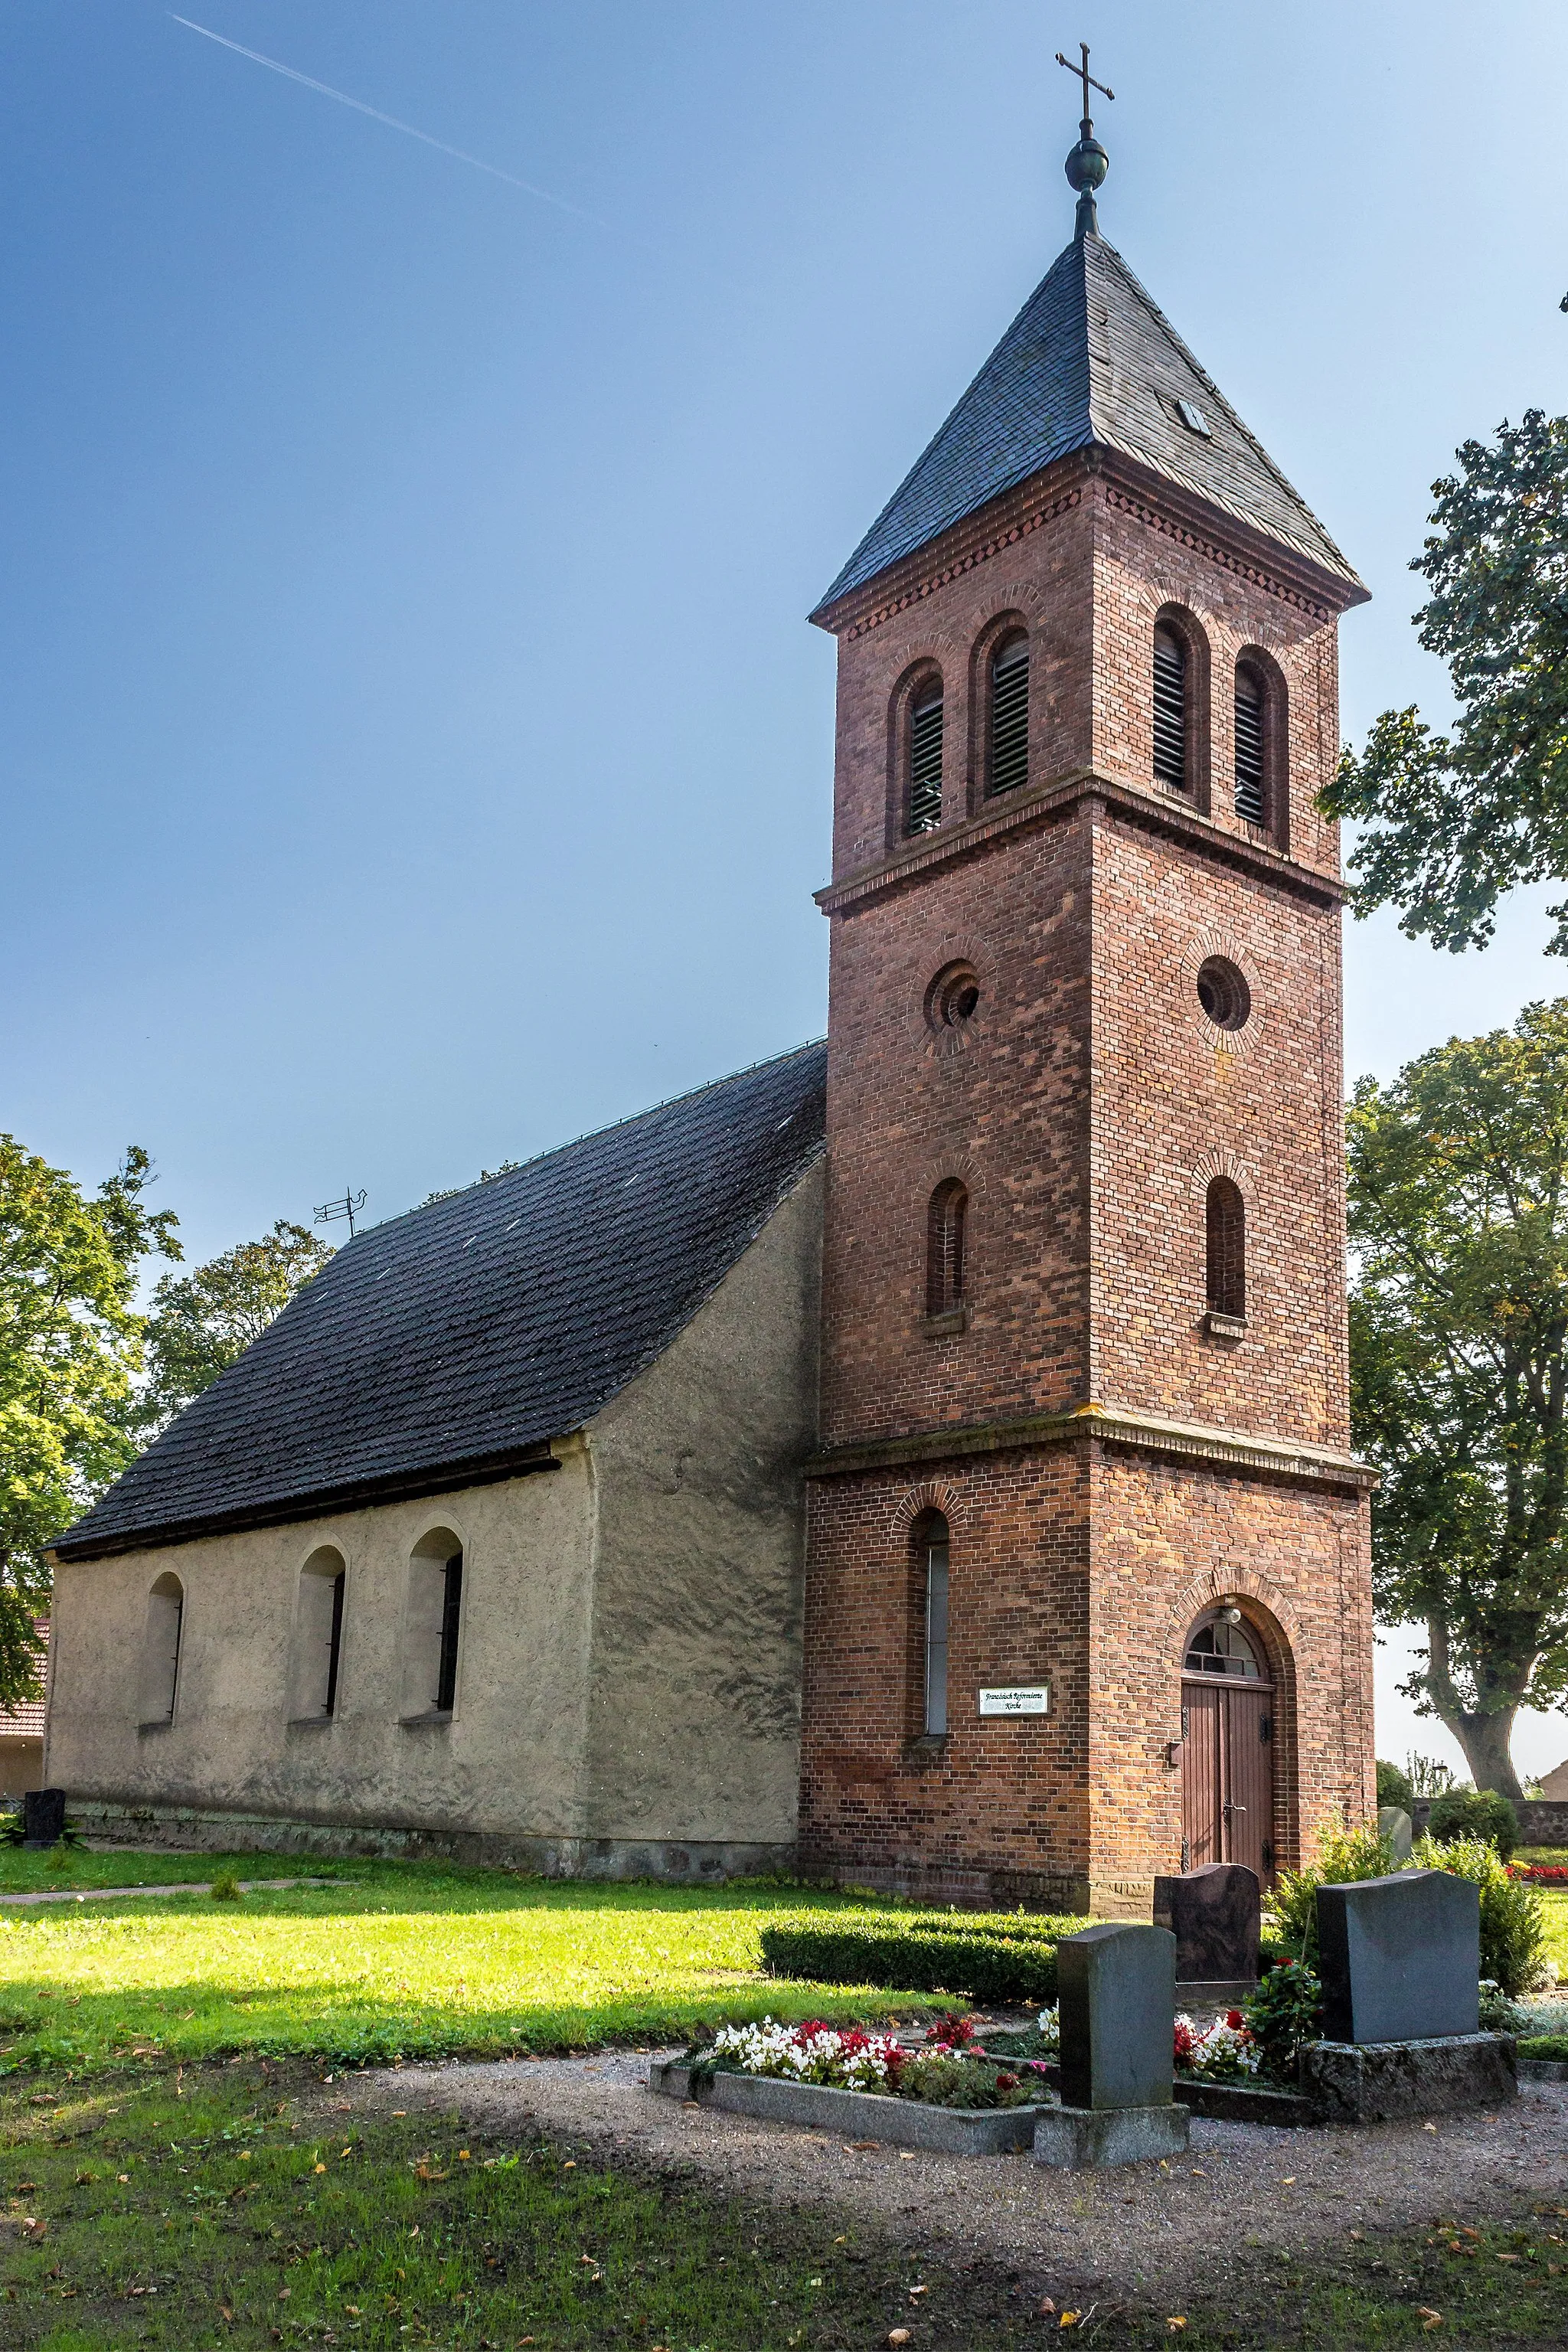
[(414, 753)]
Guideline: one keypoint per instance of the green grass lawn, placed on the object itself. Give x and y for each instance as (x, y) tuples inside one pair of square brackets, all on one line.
[(238, 2207), (395, 1959), (1554, 1903)]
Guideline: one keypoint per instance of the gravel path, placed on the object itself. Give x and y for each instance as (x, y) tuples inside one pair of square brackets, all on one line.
[(1147, 2230), (183, 1886)]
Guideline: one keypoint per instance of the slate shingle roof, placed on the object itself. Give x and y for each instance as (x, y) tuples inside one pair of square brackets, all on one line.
[(1090, 361), (467, 1332)]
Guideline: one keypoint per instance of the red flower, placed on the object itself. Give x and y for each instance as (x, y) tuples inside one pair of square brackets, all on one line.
[(1006, 2081), (1234, 2017)]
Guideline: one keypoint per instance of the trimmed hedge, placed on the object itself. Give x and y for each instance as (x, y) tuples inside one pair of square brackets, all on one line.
[(985, 1956)]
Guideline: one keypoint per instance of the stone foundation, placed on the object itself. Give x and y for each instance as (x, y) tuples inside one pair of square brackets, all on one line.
[(1377, 2082), (177, 1829), (1091, 2139)]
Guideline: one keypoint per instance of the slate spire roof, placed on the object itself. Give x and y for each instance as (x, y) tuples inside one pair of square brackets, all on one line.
[(456, 1340), (1090, 362)]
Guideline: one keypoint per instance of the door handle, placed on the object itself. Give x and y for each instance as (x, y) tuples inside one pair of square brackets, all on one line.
[(1228, 1809)]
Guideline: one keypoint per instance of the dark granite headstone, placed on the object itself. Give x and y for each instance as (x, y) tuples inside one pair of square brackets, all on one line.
[(1400, 1958), (43, 1816), (1116, 1990), (1213, 1914)]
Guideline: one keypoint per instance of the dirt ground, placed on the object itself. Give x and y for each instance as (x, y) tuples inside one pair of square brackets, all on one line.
[(1151, 2231)]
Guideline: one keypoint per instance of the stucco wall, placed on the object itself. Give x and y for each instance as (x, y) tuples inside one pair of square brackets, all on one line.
[(511, 1753), (695, 1691), (628, 1667)]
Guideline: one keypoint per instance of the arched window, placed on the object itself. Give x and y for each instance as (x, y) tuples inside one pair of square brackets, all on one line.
[(318, 1638), (161, 1650), (932, 1538), (1008, 763), (1251, 752), (922, 794), (1169, 710), (945, 1220), (1221, 1644), (1225, 1220), (434, 1625)]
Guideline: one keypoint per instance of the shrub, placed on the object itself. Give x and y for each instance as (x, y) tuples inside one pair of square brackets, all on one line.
[(1343, 1855), (1513, 1921), (1394, 1786), (225, 1887), (1474, 1813), (1286, 2011), (989, 1958)]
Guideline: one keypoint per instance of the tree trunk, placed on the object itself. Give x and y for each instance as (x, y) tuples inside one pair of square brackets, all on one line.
[(1486, 1740)]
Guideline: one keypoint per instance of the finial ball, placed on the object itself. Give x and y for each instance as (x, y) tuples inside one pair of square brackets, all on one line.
[(1086, 165)]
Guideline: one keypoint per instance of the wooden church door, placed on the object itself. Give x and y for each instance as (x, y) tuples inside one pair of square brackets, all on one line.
[(1228, 1748)]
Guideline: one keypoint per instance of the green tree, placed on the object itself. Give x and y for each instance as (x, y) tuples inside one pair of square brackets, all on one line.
[(201, 1321), (1453, 820), (1460, 1369), (70, 1347)]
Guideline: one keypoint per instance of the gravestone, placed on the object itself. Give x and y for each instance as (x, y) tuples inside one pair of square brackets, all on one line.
[(1400, 1958), (1396, 1824), (43, 1816), (1213, 1914), (1116, 1990)]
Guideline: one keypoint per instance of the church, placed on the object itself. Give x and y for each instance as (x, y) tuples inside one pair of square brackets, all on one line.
[(922, 1460)]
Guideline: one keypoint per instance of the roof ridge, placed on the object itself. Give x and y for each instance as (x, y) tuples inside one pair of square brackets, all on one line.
[(591, 1134)]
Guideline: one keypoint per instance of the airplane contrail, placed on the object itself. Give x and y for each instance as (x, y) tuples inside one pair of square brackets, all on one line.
[(392, 122)]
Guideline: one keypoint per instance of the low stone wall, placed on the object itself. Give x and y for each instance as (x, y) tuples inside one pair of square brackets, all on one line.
[(1543, 1821), (175, 1829)]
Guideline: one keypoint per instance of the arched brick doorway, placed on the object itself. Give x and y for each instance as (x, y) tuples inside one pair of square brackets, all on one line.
[(1230, 1698)]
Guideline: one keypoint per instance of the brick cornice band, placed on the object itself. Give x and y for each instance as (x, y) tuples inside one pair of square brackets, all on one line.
[(1107, 1425), (1046, 803)]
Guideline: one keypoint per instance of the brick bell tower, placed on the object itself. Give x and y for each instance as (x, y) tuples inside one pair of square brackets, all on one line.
[(1088, 1593)]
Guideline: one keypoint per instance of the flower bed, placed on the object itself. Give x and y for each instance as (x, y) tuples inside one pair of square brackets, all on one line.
[(942, 2074), (1224, 2052), (1540, 1873)]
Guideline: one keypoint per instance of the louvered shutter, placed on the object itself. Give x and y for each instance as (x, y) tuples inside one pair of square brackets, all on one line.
[(1170, 711), (1010, 715), (925, 762), (1249, 795)]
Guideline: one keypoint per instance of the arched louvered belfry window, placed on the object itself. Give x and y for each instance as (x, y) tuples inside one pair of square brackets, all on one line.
[(1007, 765), (1226, 1236), (945, 1222), (1251, 745), (922, 798), (1169, 710), (931, 1541)]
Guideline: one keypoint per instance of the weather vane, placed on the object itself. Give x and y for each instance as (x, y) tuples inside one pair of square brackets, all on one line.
[(330, 1211), (1089, 162)]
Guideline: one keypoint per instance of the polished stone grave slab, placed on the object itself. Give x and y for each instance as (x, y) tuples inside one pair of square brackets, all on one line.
[(1213, 1914), (1400, 1958), (1116, 1997)]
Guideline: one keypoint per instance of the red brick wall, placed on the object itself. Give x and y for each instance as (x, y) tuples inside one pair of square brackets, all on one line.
[(1083, 1565), (1088, 1104)]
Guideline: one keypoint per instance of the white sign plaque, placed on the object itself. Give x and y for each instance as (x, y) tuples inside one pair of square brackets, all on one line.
[(1017, 1698)]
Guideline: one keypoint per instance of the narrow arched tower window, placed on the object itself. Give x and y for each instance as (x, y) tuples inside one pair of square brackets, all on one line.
[(945, 1222), (1227, 1248), (1009, 751), (934, 1544), (923, 798), (1251, 778), (318, 1637), (1169, 710)]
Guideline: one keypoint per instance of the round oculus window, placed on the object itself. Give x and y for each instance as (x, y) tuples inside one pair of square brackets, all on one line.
[(1223, 994), (953, 997)]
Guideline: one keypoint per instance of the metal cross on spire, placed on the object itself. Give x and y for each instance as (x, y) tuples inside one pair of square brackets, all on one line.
[(1088, 80), (1089, 162)]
